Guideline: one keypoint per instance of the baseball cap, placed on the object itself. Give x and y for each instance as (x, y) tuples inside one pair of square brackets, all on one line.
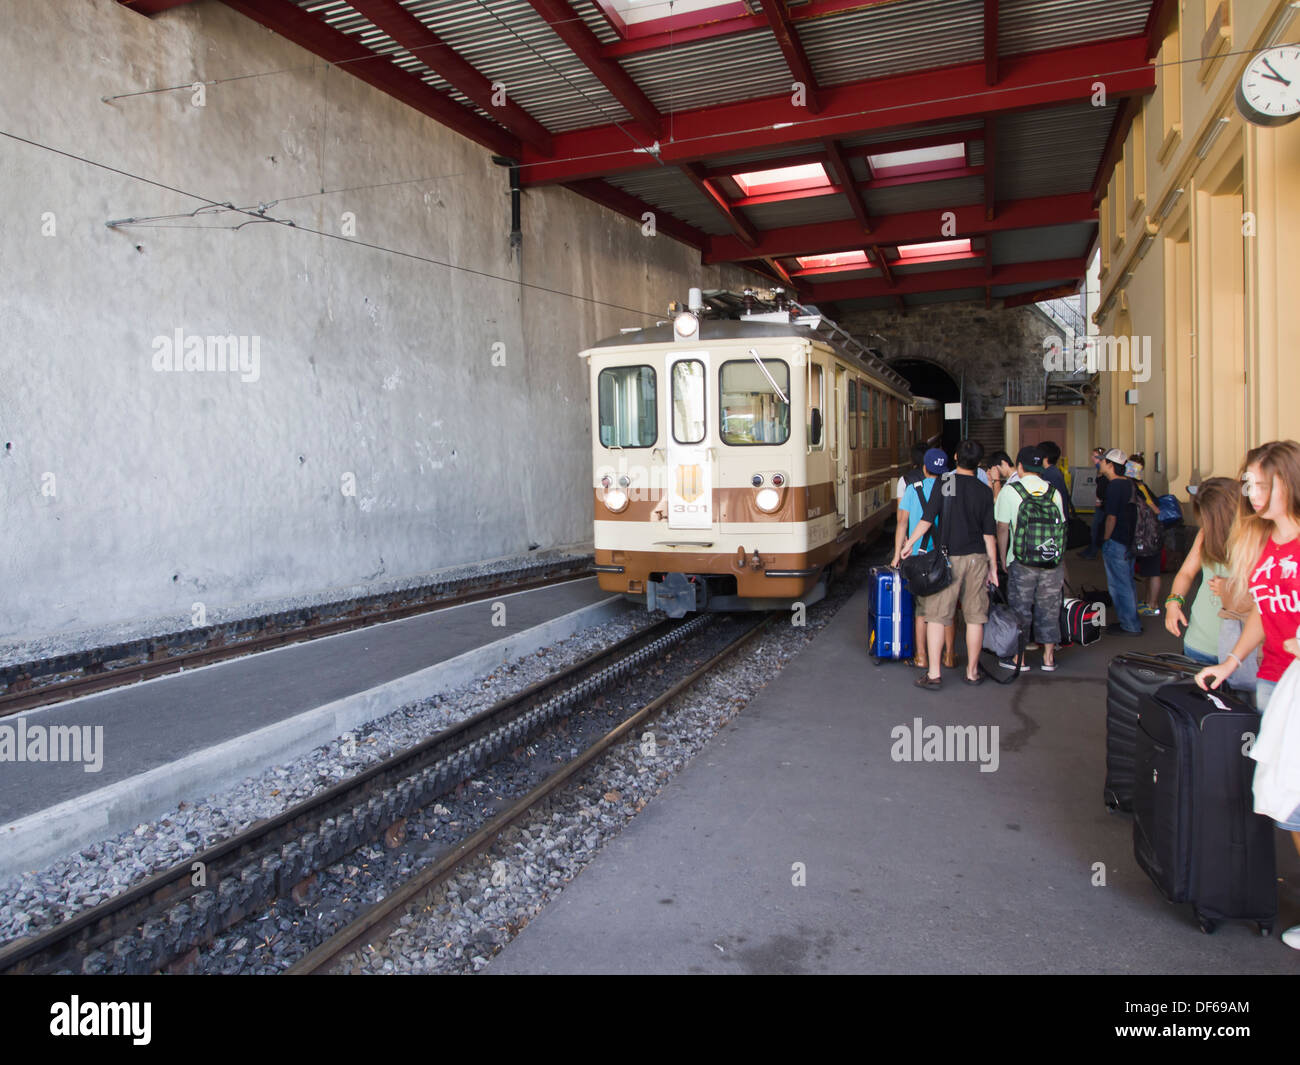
[(1030, 457), (1118, 457), (936, 461)]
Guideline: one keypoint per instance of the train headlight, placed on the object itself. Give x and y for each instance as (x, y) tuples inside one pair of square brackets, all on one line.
[(768, 500), (686, 326), (615, 500)]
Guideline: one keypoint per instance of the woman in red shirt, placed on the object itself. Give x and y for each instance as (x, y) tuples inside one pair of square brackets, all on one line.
[(1264, 552)]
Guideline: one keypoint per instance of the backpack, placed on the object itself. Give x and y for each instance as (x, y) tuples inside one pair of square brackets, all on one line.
[(1146, 530), (1040, 530)]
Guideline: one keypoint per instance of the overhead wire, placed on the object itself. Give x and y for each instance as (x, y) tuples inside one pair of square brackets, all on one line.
[(290, 224)]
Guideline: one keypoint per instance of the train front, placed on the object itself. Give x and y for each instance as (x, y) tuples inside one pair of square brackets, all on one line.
[(701, 498)]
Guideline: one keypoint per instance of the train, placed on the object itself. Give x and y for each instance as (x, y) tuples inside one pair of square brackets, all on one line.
[(740, 450)]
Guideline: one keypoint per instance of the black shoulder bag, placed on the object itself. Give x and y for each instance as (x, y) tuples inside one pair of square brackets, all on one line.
[(930, 572)]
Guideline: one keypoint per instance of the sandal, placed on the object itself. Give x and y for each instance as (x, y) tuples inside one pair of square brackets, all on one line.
[(979, 679), (920, 663), (950, 660), (933, 683)]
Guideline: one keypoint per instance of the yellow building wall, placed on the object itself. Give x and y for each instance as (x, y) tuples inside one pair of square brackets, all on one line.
[(1218, 287)]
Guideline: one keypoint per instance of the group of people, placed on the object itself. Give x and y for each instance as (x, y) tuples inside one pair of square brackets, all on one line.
[(990, 520), (1242, 623)]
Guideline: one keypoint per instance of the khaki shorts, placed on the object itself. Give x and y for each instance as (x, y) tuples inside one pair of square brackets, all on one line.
[(970, 574)]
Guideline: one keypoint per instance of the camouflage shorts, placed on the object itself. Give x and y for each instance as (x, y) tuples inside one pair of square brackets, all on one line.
[(1035, 596)]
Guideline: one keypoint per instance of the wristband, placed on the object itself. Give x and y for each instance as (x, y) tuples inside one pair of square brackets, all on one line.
[(1175, 599), (1234, 658)]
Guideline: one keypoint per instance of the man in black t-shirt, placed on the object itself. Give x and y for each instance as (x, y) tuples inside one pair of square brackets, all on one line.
[(1117, 544), (968, 532)]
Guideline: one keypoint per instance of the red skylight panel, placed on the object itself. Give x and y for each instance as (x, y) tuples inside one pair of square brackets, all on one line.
[(935, 251), (834, 260), (783, 179), (918, 161)]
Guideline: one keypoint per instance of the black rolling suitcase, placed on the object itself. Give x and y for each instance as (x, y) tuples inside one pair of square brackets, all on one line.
[(1195, 831), (1130, 677)]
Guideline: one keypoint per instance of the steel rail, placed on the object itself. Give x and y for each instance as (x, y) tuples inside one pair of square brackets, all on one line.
[(383, 914), (18, 699), (282, 840)]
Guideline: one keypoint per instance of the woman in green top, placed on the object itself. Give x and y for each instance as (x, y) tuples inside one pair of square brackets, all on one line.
[(1215, 506)]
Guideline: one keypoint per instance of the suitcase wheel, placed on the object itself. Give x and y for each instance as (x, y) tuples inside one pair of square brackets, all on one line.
[(1265, 929), (1208, 925), (876, 661)]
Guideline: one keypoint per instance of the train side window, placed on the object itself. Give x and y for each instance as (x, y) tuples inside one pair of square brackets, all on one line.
[(752, 411), (853, 415), (816, 404), (864, 415), (629, 409), (688, 401)]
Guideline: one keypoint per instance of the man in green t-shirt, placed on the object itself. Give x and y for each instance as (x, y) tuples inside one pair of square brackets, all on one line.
[(1031, 512)]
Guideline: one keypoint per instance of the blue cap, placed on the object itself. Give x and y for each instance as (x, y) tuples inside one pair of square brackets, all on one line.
[(936, 461)]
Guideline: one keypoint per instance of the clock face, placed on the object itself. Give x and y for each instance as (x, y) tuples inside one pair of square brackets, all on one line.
[(1269, 92)]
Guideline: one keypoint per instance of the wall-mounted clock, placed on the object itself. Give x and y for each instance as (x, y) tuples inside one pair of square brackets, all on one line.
[(1269, 91)]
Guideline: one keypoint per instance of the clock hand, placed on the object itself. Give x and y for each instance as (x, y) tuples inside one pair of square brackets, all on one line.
[(1275, 76)]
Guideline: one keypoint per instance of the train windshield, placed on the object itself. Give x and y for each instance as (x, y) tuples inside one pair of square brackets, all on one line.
[(629, 413), (752, 411), (688, 401)]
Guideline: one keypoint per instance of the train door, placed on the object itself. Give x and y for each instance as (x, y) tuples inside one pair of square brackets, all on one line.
[(839, 447), (690, 472)]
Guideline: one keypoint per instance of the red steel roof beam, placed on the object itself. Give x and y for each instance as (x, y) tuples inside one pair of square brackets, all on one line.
[(792, 48), (990, 42), (309, 32), (883, 263), (1044, 79), (943, 280), (1057, 292), (625, 203), (570, 28), (739, 225), (843, 175), (433, 52), (912, 227)]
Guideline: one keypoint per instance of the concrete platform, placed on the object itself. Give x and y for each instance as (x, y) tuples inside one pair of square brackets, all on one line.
[(911, 867), (186, 734)]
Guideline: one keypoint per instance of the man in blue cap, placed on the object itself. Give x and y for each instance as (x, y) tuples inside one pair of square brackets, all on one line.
[(910, 506)]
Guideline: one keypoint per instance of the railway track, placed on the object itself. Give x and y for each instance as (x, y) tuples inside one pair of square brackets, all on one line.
[(43, 682), (380, 918), (162, 922)]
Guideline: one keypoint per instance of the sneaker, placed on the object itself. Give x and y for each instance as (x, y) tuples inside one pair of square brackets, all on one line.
[(1147, 611), (1116, 629), (1291, 937), (1049, 667), (1033, 647), (1007, 663)]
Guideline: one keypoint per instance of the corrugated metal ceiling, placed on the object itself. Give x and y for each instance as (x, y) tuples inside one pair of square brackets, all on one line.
[(893, 38), (1051, 152), (1036, 25)]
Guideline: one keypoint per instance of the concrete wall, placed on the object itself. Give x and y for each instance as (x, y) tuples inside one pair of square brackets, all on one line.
[(128, 492)]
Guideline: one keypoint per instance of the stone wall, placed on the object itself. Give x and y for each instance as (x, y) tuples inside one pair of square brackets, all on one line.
[(989, 346)]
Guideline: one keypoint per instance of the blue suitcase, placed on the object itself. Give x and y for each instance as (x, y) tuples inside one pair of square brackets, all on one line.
[(890, 618)]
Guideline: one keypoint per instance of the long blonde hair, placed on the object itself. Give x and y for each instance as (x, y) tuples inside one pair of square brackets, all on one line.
[(1250, 532)]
